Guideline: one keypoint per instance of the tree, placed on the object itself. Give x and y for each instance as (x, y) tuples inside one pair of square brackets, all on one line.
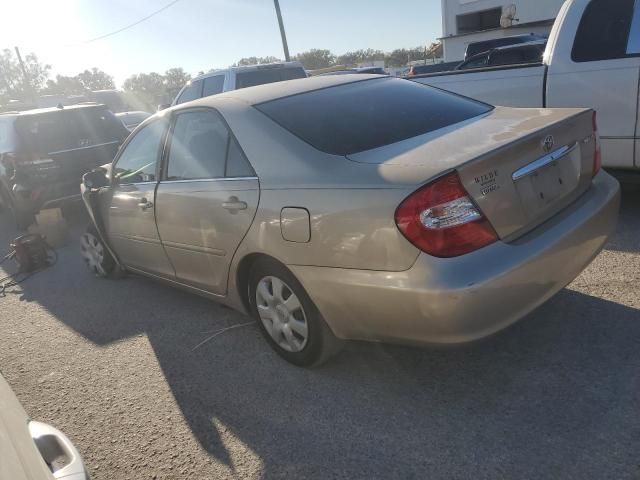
[(418, 53), (360, 56), (96, 79), (65, 86), (147, 90), (316, 58), (12, 81), (174, 80), (256, 61), (401, 56), (397, 58)]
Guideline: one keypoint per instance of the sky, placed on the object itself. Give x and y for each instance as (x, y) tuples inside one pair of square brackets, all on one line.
[(204, 34)]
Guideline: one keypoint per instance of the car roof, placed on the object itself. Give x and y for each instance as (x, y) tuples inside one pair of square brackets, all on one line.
[(248, 68), (273, 91), (37, 111)]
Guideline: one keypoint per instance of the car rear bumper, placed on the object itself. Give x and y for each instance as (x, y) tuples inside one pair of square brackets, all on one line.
[(454, 300)]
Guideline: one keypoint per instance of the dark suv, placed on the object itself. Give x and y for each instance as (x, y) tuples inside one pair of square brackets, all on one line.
[(45, 152)]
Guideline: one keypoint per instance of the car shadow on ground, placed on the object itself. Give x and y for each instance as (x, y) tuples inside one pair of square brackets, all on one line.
[(554, 396)]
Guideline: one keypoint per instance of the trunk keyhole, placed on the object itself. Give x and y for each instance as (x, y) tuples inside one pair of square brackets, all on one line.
[(560, 181)]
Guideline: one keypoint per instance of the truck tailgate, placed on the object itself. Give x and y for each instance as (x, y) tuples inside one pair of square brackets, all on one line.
[(513, 86)]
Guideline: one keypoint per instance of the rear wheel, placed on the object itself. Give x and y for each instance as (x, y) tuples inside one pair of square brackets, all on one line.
[(287, 317), (95, 253)]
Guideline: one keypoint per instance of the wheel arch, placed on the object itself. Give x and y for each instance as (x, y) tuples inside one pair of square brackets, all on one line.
[(242, 274)]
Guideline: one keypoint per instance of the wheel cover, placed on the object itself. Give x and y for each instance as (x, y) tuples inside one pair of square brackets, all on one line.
[(282, 314), (92, 251)]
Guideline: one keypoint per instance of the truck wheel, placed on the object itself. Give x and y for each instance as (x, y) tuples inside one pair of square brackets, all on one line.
[(288, 319), (95, 253)]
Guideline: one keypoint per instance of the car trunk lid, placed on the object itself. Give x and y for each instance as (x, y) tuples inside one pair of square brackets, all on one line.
[(520, 166)]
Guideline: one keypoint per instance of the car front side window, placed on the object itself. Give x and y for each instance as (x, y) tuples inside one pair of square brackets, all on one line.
[(139, 159)]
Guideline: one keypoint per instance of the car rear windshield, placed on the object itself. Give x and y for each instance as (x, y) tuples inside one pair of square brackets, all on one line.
[(359, 116), (68, 129), (268, 75)]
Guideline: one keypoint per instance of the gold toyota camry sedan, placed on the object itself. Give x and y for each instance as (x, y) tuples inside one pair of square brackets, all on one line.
[(356, 207)]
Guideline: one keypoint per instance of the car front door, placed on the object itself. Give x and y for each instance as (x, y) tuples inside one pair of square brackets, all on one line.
[(131, 224), (603, 73), (206, 200)]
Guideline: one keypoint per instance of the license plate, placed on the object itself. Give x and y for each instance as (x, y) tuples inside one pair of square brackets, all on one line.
[(547, 183)]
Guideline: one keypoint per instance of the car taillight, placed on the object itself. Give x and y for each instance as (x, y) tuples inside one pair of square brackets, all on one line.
[(441, 219), (597, 152)]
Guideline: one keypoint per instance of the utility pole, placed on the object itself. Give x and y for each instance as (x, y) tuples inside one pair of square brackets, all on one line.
[(27, 83), (282, 34)]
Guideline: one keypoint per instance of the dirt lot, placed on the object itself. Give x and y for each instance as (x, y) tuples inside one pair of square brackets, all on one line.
[(114, 365)]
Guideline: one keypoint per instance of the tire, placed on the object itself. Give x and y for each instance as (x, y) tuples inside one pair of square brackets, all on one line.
[(286, 316), (95, 253)]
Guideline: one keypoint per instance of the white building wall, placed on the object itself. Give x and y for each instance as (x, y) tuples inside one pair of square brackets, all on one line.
[(526, 11)]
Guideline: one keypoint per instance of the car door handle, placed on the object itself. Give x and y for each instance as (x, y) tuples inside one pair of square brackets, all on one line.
[(233, 205), (145, 204)]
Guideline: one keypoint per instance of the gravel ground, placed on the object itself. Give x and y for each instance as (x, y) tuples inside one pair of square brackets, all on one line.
[(114, 365)]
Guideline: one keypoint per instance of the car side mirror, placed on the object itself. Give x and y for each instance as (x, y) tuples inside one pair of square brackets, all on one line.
[(163, 106), (96, 178)]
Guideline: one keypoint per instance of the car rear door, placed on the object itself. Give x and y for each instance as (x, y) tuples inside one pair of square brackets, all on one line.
[(601, 72), (206, 200), (131, 223)]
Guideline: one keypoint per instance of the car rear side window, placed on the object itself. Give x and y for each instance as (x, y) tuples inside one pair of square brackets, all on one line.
[(268, 75), (515, 56), (237, 163), (96, 126), (213, 85), (192, 92), (57, 131), (604, 31), (359, 116), (479, 62)]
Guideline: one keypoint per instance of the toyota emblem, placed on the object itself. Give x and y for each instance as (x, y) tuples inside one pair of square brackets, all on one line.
[(548, 143)]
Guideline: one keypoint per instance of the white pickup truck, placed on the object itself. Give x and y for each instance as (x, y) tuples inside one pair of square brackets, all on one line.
[(592, 59)]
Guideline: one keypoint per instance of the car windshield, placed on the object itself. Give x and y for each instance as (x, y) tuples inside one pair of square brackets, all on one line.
[(363, 115), (267, 75)]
